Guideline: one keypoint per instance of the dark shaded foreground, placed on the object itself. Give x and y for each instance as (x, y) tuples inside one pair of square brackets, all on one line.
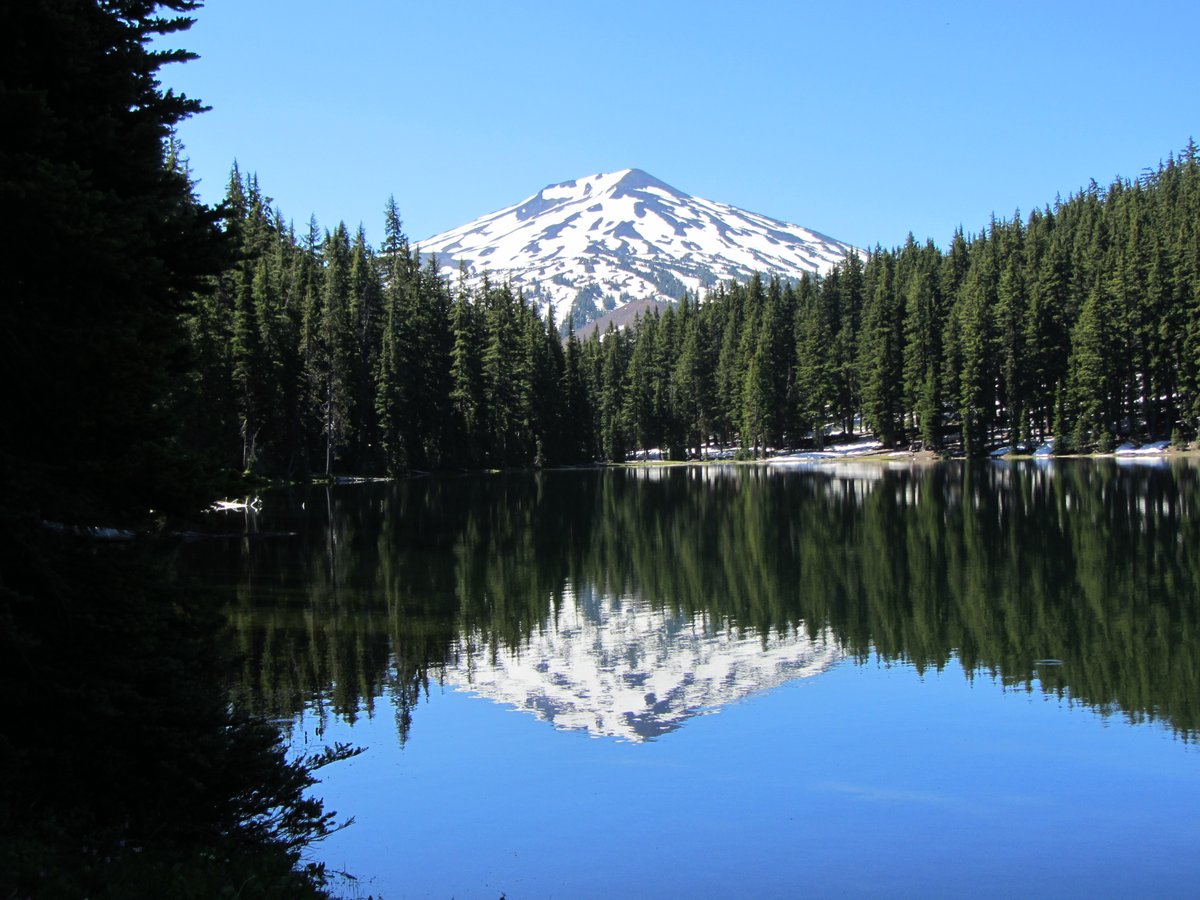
[(127, 772)]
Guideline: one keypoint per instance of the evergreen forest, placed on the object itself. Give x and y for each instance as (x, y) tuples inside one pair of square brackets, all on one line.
[(316, 354)]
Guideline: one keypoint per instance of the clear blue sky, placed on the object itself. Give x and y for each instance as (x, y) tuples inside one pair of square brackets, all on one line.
[(864, 121)]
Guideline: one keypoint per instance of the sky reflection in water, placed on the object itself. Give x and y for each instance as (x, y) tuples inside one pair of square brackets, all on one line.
[(866, 780)]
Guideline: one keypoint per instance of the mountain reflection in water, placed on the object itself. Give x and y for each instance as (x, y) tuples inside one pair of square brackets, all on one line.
[(616, 667), (625, 602)]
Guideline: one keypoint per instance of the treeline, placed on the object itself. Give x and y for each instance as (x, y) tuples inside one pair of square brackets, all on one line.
[(1080, 322), (318, 354)]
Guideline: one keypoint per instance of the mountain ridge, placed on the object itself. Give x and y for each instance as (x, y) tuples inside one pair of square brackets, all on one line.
[(588, 246)]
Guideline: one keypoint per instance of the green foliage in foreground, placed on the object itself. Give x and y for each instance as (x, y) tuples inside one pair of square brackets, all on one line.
[(126, 772)]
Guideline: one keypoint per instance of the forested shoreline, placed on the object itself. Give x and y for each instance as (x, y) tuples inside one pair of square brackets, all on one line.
[(317, 354)]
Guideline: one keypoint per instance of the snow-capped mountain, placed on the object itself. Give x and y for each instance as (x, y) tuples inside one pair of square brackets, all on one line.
[(591, 245), (617, 668)]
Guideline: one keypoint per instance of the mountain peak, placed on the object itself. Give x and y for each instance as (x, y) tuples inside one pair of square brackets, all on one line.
[(588, 246), (635, 179)]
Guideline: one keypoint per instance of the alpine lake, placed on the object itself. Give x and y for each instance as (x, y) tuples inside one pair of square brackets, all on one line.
[(846, 679)]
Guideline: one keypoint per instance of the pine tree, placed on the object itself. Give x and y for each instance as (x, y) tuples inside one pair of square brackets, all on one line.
[(638, 411), (281, 335), (466, 377), (880, 348), (1046, 335), (578, 441), (433, 342), (105, 249), (247, 375), (777, 340), (501, 376), (393, 380), (309, 277), (335, 346), (1011, 304), (1089, 392), (923, 328), (815, 384), (613, 358), (848, 301), (692, 379), (366, 320), (118, 244), (545, 413), (756, 403), (731, 361), (976, 343)]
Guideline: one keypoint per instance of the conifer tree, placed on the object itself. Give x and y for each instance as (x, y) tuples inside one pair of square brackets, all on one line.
[(613, 357), (777, 338), (545, 371), (466, 377), (335, 346), (923, 326), (118, 244), (393, 379), (281, 336), (501, 364), (247, 374), (151, 780), (848, 301), (578, 441), (1011, 304), (433, 344), (692, 379), (1046, 332), (639, 409), (1089, 392), (977, 372), (815, 378), (755, 403), (881, 350), (366, 320)]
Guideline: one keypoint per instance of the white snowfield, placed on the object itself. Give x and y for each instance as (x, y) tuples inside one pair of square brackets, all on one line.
[(839, 451), (617, 668), (1153, 449), (594, 244)]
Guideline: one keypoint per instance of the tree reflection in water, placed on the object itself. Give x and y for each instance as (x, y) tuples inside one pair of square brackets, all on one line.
[(388, 588)]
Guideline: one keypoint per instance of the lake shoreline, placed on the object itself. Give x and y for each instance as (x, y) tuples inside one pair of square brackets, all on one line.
[(804, 458)]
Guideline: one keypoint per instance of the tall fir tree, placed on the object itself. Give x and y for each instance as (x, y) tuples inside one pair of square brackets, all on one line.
[(335, 345)]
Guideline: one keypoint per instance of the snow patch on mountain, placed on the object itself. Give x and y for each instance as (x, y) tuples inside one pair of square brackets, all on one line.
[(588, 246)]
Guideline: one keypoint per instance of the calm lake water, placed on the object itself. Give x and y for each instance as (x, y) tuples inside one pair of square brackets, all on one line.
[(714, 681)]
